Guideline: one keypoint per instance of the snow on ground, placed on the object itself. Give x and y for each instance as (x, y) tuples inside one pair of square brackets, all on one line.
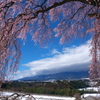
[(92, 83), (42, 97), (47, 97), (91, 89), (92, 94)]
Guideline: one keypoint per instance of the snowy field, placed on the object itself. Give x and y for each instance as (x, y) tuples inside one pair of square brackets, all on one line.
[(97, 89), (41, 97), (45, 97), (92, 94)]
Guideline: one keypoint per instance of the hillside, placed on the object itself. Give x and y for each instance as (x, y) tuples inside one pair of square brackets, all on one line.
[(67, 88), (58, 76)]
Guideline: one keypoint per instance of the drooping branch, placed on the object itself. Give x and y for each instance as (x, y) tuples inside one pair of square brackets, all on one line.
[(17, 18)]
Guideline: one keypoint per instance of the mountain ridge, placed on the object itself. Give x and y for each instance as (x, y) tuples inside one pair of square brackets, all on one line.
[(58, 76)]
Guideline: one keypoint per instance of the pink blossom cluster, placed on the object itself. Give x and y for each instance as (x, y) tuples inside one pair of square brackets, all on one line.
[(75, 19)]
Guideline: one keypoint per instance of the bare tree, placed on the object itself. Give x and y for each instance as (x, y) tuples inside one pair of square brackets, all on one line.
[(17, 96), (19, 17)]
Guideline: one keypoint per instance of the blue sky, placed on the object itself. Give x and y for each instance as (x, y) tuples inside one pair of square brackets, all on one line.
[(53, 58)]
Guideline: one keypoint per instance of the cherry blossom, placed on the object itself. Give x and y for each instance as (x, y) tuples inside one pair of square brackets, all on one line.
[(20, 17)]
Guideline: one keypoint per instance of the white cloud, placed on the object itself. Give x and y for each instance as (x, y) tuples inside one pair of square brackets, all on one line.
[(70, 59), (55, 51)]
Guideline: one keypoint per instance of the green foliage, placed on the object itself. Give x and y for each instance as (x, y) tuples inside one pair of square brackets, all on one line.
[(78, 84), (67, 88)]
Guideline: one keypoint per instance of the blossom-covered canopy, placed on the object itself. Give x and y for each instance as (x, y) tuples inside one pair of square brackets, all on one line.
[(20, 17)]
